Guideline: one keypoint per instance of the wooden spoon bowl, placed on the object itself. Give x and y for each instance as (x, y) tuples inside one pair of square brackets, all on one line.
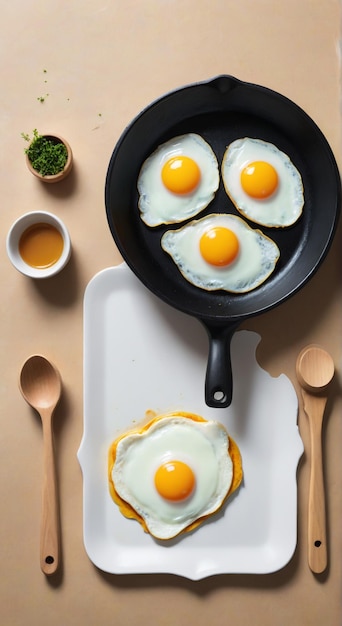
[(315, 369)]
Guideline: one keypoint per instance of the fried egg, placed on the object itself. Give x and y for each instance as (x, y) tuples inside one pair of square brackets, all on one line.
[(177, 181), (221, 251), (262, 182), (174, 472)]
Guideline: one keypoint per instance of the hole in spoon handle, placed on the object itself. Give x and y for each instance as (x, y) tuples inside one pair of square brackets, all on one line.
[(49, 547), (49, 564), (318, 556)]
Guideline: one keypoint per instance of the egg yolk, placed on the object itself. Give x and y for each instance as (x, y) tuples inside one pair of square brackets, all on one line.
[(219, 246), (259, 179), (174, 480), (181, 174)]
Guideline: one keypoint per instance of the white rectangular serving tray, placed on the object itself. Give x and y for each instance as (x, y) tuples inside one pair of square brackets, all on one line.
[(141, 354)]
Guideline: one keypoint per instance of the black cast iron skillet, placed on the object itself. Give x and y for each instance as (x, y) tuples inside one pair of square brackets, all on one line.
[(222, 110)]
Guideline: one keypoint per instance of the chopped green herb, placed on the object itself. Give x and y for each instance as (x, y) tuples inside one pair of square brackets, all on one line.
[(47, 156)]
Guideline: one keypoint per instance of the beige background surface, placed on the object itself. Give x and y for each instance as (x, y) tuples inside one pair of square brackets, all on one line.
[(104, 62)]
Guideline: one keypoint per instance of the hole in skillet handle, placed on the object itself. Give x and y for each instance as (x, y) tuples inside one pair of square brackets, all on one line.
[(219, 379)]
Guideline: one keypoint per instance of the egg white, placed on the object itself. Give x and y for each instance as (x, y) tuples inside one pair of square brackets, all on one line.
[(156, 203), (256, 260), (284, 207), (202, 445)]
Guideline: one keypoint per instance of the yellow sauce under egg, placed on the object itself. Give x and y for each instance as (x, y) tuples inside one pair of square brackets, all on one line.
[(41, 245)]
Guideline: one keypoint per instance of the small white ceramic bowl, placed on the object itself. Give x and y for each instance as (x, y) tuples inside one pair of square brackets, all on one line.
[(15, 233)]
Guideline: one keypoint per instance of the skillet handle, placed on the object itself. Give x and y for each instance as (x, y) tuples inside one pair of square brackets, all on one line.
[(219, 380)]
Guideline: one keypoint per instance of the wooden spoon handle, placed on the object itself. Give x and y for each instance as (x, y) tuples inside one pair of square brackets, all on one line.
[(317, 544), (49, 534)]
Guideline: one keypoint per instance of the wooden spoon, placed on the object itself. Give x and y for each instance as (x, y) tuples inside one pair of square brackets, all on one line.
[(315, 370), (40, 385)]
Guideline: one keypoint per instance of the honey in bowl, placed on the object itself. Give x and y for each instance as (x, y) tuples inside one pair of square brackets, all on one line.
[(41, 245)]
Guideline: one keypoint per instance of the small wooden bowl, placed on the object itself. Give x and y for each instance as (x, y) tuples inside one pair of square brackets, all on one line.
[(54, 178)]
